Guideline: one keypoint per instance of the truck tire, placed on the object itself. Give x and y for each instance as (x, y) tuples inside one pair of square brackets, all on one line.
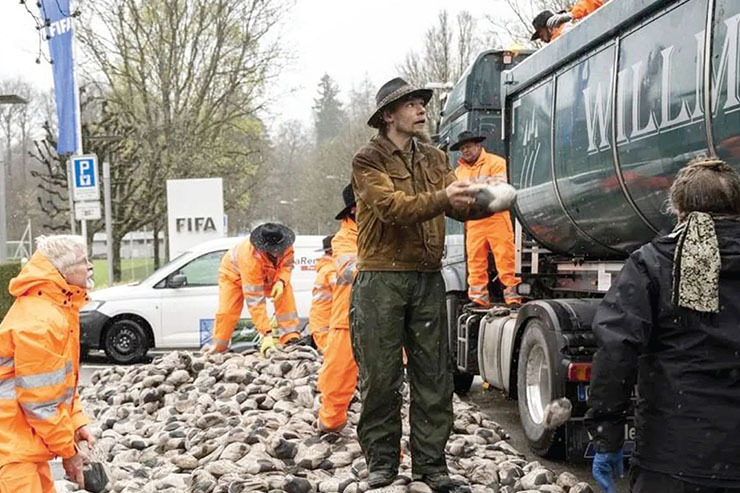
[(463, 382), (536, 381), (125, 341)]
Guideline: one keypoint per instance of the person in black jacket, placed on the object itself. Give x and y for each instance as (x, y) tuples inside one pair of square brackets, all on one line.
[(671, 323)]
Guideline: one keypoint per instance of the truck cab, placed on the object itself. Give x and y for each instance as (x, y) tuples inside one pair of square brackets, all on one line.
[(594, 127)]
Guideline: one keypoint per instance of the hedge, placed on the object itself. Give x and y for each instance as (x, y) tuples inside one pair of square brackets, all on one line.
[(8, 270)]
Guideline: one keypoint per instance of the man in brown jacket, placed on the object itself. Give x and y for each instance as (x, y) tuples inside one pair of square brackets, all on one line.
[(404, 188)]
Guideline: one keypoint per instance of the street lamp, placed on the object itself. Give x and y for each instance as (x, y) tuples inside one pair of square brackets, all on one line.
[(5, 99)]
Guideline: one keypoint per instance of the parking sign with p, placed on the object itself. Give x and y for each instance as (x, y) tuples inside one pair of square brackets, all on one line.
[(85, 178)]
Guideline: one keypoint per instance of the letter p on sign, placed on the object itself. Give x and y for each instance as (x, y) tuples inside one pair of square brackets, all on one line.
[(85, 178)]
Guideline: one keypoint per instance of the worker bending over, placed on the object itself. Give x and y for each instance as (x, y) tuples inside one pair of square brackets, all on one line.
[(251, 271), (493, 233), (40, 412), (549, 25), (320, 313), (338, 374)]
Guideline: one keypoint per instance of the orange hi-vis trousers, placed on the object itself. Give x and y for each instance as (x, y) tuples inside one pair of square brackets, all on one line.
[(337, 379), (497, 236), (26, 477)]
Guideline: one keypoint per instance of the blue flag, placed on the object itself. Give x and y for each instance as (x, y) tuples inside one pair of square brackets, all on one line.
[(60, 32)]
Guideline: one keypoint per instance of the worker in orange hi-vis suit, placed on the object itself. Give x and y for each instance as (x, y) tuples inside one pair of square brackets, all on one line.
[(338, 374), (320, 314), (549, 26), (40, 412), (493, 233), (257, 268)]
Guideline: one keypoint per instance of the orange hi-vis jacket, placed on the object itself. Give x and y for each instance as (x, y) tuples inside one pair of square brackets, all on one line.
[(487, 167), (320, 314), (255, 274), (40, 408), (344, 248), (582, 8)]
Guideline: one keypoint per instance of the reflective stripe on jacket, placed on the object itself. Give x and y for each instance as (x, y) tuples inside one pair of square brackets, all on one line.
[(344, 248), (487, 167), (39, 366), (320, 314)]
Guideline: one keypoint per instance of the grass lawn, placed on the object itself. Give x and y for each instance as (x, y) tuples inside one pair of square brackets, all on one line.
[(131, 270)]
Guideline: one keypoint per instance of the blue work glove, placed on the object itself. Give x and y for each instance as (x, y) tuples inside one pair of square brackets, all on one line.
[(607, 468)]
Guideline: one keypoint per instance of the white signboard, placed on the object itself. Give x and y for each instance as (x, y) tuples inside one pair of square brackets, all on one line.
[(195, 212), (87, 211), (85, 183)]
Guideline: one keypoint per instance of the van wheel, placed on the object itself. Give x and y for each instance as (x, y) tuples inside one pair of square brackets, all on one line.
[(125, 341), (463, 382), (536, 380)]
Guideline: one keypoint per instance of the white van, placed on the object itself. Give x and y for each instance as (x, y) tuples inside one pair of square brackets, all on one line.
[(127, 321)]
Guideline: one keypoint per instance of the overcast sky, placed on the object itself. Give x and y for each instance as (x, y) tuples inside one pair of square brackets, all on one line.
[(346, 39)]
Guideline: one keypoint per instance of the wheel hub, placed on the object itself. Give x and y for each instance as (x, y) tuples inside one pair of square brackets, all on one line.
[(125, 341), (538, 383)]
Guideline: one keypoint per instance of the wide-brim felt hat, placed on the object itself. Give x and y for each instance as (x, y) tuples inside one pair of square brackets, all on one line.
[(539, 22), (392, 91), (466, 136), (326, 244), (272, 238), (348, 195)]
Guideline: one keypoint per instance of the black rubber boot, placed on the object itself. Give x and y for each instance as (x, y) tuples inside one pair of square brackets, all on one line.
[(442, 482), (379, 479)]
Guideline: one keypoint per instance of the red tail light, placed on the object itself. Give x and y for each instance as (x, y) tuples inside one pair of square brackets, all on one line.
[(579, 372)]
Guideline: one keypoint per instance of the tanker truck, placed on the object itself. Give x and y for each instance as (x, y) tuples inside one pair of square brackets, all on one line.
[(594, 127)]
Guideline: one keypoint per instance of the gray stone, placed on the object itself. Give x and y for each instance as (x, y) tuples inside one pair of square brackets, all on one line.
[(566, 480), (581, 488)]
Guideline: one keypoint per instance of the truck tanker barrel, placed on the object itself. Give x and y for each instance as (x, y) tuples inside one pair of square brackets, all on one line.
[(598, 122)]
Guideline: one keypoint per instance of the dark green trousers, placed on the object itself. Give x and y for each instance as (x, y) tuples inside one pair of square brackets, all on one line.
[(390, 311)]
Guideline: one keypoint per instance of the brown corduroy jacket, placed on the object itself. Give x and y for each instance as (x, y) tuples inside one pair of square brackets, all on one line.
[(401, 204)]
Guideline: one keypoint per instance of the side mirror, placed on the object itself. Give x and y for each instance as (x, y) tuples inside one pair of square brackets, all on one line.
[(177, 281)]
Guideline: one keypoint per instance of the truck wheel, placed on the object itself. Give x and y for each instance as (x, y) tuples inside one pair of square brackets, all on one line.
[(463, 382), (535, 388), (125, 341)]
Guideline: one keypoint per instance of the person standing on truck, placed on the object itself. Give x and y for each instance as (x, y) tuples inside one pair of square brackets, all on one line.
[(549, 25), (338, 374), (258, 267), (404, 188), (670, 323), (41, 415), (320, 313), (494, 233)]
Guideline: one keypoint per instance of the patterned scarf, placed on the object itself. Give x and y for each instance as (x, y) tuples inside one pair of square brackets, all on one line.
[(696, 264)]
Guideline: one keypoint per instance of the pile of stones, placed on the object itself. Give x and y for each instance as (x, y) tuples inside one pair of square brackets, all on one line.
[(232, 423)]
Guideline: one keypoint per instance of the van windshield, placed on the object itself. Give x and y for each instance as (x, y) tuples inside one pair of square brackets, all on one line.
[(158, 273)]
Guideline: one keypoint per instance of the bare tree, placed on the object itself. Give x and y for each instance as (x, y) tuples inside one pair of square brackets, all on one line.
[(448, 49), (185, 80)]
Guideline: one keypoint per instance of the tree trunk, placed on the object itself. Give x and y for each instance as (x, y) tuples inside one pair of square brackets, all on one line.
[(156, 244), (117, 240)]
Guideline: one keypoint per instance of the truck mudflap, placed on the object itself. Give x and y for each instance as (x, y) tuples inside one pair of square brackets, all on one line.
[(579, 445)]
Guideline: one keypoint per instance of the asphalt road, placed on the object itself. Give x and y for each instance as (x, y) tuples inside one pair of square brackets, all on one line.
[(493, 403), (506, 413)]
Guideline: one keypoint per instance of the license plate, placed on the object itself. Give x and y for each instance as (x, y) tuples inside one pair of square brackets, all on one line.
[(627, 449), (583, 392)]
